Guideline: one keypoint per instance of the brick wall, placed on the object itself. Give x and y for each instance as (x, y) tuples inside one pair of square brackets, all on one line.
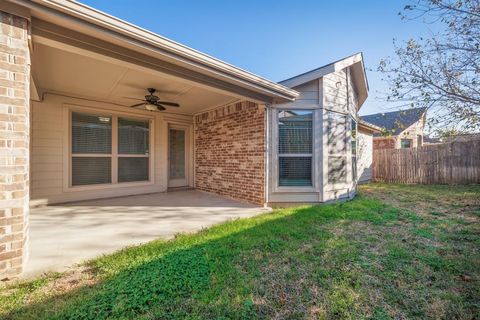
[(14, 143), (384, 143), (230, 152)]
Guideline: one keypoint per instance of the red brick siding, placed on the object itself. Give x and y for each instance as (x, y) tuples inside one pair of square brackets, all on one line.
[(383, 143), (14, 143), (230, 152)]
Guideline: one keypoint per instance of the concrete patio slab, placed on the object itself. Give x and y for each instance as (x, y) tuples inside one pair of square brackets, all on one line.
[(62, 235)]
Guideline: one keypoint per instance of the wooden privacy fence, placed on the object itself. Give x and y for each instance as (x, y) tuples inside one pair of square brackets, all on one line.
[(449, 163)]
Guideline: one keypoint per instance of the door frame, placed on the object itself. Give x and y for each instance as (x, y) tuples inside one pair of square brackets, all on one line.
[(188, 155)]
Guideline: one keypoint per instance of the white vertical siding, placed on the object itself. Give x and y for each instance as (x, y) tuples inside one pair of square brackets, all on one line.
[(364, 156), (340, 102)]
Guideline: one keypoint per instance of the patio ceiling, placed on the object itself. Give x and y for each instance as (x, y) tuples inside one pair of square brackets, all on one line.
[(59, 71)]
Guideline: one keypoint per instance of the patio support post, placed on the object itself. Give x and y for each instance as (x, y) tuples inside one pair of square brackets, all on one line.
[(14, 142)]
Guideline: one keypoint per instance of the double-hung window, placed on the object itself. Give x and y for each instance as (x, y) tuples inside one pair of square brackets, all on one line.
[(295, 133), (109, 149)]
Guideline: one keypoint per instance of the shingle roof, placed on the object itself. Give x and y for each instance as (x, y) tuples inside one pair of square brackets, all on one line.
[(395, 121)]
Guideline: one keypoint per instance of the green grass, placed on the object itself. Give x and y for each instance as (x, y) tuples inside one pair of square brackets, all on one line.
[(394, 252)]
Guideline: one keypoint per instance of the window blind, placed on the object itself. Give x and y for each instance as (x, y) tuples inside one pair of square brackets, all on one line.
[(295, 134), (91, 170), (133, 139), (132, 169), (295, 171), (295, 145), (133, 136), (91, 134)]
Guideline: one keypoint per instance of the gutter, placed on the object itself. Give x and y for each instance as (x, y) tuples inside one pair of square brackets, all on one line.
[(369, 126), (176, 50)]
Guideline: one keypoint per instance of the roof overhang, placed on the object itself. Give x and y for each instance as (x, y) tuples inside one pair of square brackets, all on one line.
[(368, 127), (357, 67), (81, 19)]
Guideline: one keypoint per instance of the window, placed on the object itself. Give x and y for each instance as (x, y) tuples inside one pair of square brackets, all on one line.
[(91, 149), (133, 150), (96, 150), (419, 140), (337, 129), (295, 132), (406, 143), (354, 149)]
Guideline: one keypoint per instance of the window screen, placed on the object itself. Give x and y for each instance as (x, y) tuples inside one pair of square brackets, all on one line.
[(295, 132), (133, 136), (91, 134), (295, 171), (132, 169), (133, 139), (91, 170)]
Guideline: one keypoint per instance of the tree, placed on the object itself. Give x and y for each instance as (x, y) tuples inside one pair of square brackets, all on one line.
[(441, 72)]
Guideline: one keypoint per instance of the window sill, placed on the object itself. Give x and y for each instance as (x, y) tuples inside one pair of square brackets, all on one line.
[(295, 189), (108, 186)]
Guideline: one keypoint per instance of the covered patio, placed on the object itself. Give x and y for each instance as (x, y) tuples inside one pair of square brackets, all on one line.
[(62, 235), (97, 108)]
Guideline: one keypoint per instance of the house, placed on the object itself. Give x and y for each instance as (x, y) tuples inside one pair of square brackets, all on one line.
[(366, 132), (94, 107), (461, 137), (427, 140), (400, 129)]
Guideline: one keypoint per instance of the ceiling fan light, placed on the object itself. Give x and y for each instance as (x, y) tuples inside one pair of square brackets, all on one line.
[(151, 107)]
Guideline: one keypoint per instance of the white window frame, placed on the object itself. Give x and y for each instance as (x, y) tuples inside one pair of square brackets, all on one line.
[(114, 115), (316, 146)]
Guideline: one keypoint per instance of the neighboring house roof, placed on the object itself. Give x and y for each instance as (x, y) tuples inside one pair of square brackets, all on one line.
[(430, 140), (397, 121), (95, 23), (358, 75), (462, 137), (368, 127)]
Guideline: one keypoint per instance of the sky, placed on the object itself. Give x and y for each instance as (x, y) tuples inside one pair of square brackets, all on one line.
[(278, 39)]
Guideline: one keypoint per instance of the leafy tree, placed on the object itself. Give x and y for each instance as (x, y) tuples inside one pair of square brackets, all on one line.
[(441, 72)]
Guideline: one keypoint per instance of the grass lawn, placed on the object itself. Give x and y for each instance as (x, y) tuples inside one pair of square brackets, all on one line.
[(395, 251)]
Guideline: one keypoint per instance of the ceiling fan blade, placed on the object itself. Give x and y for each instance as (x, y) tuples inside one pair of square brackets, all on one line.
[(171, 104), (137, 105), (160, 107)]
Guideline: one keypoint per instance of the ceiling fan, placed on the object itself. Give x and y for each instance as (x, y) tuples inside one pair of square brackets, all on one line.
[(153, 102)]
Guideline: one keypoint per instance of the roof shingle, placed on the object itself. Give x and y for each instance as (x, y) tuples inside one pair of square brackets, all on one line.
[(395, 121)]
